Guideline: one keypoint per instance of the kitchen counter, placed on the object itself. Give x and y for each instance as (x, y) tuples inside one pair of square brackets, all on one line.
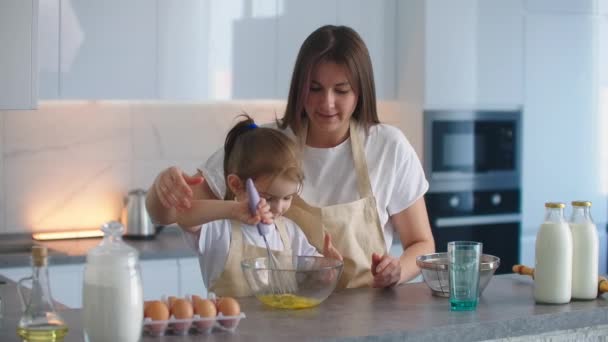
[(407, 312), (167, 244)]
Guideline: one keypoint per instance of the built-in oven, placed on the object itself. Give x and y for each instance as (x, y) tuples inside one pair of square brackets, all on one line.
[(488, 216), (473, 163), (472, 148)]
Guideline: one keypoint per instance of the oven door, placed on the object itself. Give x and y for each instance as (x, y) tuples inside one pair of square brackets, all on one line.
[(499, 237)]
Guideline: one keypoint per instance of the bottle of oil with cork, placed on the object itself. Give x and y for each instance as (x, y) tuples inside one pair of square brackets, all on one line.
[(40, 321)]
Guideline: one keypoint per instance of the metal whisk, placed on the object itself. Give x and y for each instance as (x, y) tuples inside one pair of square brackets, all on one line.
[(279, 281)]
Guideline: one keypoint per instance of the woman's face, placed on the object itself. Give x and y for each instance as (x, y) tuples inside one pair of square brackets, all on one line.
[(330, 104)]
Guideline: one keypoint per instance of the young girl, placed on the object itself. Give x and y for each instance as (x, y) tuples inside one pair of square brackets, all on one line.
[(271, 160)]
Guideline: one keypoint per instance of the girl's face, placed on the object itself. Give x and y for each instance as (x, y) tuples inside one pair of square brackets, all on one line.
[(330, 104), (278, 193)]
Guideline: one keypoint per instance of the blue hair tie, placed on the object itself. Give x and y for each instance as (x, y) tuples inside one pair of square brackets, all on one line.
[(252, 126)]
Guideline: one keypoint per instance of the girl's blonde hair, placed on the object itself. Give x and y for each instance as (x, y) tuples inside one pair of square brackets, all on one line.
[(252, 152)]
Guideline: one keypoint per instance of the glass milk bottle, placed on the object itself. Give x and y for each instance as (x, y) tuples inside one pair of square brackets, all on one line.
[(112, 294), (553, 258), (585, 255)]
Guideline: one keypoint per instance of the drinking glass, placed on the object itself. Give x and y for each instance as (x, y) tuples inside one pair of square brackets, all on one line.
[(463, 267)]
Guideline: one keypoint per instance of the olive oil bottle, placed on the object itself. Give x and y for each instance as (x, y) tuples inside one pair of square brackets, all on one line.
[(40, 321)]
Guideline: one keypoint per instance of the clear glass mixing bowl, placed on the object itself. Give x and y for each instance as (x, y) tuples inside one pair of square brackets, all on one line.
[(298, 282)]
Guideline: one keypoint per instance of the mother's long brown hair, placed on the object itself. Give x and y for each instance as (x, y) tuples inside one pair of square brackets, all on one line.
[(341, 45)]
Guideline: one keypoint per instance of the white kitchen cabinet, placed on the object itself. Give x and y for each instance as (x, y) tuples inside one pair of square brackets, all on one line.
[(108, 49), (190, 278), (159, 278), (450, 54), (562, 6), (16, 273), (19, 57), (196, 50), (183, 50), (48, 49), (500, 54), (66, 284), (297, 20), (561, 102), (473, 54), (375, 21), (66, 281)]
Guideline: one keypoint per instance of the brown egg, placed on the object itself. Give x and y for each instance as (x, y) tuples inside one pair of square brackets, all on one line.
[(228, 306), (181, 309), (157, 311), (205, 309)]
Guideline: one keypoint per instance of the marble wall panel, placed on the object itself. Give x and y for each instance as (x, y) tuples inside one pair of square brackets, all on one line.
[(66, 165)]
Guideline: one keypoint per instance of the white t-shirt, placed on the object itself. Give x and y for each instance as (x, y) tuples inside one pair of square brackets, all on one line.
[(395, 172), (212, 242)]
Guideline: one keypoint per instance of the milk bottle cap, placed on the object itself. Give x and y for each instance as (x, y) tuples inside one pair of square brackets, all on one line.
[(112, 251)]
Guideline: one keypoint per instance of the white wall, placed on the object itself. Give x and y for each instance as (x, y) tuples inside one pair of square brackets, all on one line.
[(69, 163)]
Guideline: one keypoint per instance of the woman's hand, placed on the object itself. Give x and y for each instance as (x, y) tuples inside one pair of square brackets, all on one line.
[(329, 250), (172, 187), (386, 270)]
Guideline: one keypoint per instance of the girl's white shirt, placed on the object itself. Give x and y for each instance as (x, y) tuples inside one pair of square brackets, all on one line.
[(212, 243), (395, 172)]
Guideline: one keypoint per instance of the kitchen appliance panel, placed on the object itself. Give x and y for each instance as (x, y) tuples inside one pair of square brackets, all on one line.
[(501, 240)]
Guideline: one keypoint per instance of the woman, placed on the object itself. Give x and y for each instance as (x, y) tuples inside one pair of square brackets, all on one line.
[(363, 181)]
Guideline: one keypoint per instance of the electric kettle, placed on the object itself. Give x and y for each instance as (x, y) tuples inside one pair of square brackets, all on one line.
[(135, 218)]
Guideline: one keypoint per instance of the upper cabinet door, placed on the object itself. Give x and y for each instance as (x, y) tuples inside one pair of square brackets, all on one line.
[(251, 40), (375, 22), (183, 45), (18, 60), (48, 49), (474, 54), (500, 53), (217, 50), (108, 49), (197, 50), (451, 54), (563, 6), (297, 20)]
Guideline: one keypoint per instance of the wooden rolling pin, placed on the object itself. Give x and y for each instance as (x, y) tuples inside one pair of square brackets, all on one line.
[(602, 282)]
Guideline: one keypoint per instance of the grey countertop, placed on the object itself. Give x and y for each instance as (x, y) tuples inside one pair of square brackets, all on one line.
[(407, 312), (168, 243)]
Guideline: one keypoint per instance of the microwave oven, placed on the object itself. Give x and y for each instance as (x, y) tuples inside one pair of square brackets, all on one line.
[(472, 149)]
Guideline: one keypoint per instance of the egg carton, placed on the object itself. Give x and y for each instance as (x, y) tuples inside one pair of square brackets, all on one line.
[(191, 326)]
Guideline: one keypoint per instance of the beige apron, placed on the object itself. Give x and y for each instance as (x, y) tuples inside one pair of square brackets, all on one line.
[(232, 282), (354, 227)]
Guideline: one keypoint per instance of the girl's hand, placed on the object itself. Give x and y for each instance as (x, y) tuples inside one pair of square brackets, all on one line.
[(329, 250), (172, 188), (263, 213), (386, 270)]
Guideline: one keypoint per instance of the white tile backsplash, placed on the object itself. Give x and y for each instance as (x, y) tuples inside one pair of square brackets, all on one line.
[(44, 195), (72, 131), (69, 164)]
